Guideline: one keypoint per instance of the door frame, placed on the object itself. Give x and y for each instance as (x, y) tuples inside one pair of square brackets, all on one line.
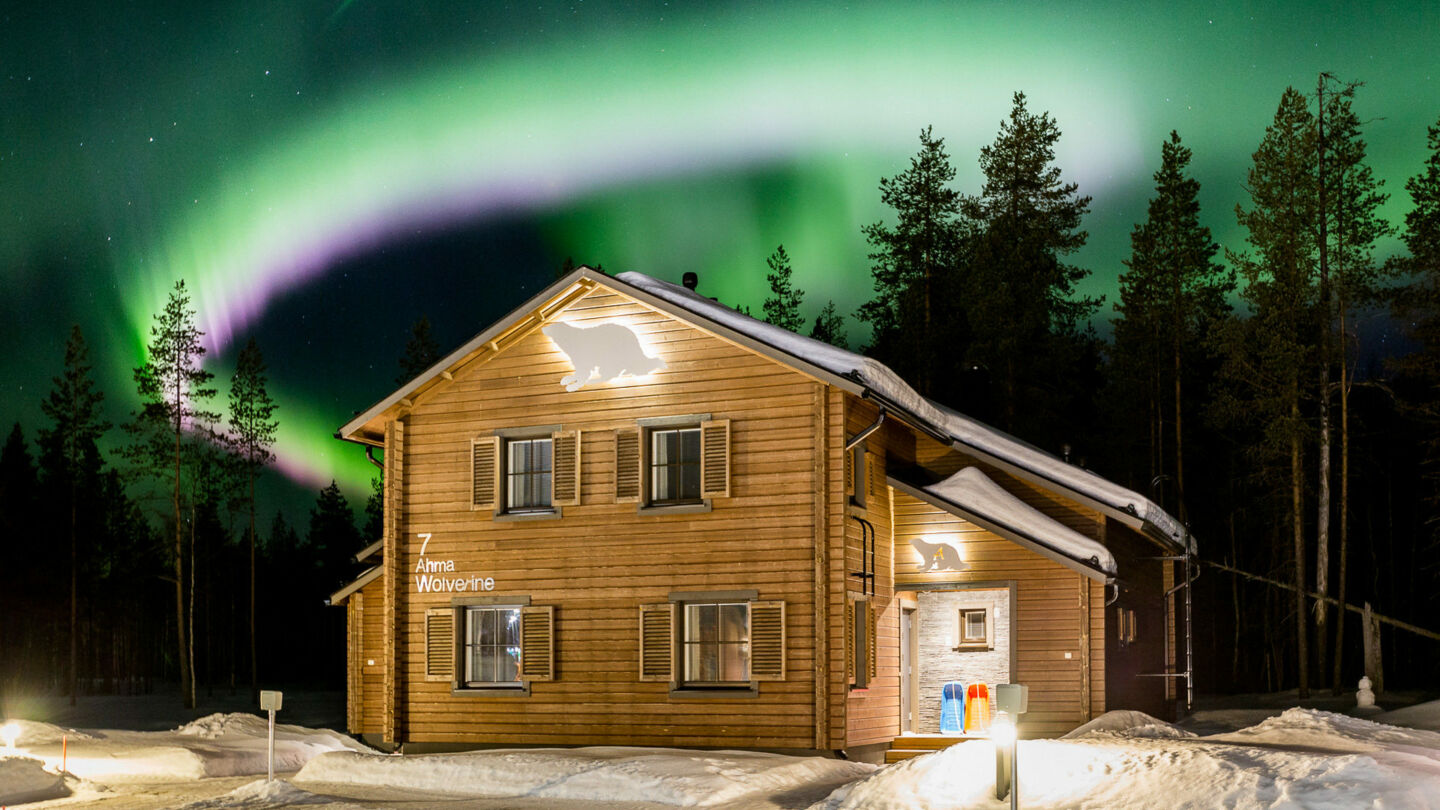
[(910, 681)]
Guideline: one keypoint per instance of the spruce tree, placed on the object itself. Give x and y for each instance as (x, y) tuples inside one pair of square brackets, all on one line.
[(1268, 359), (421, 352), (830, 327), (332, 536), (782, 308), (252, 431), (914, 266), (1018, 290), (1171, 295), (374, 511), (173, 389), (74, 408)]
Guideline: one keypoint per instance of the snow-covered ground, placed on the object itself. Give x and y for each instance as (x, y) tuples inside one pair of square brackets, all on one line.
[(1298, 758), (1302, 758)]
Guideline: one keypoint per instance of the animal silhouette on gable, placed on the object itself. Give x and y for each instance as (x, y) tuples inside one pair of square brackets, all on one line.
[(938, 556), (603, 352)]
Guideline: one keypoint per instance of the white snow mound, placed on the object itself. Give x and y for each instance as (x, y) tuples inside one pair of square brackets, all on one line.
[(1130, 723), (1421, 716), (261, 793), (23, 779), (217, 745), (602, 773), (1303, 758)]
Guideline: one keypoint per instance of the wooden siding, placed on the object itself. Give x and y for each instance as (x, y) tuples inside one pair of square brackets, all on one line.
[(372, 676), (600, 560), (1055, 613)]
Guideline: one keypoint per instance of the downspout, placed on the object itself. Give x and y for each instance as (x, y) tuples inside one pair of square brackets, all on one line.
[(370, 454)]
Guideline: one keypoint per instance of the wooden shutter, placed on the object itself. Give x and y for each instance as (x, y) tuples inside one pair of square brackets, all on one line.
[(537, 643), (627, 466), (657, 642), (715, 459), (850, 654), (440, 644), (872, 637), (872, 473), (566, 446), (767, 641), (484, 472)]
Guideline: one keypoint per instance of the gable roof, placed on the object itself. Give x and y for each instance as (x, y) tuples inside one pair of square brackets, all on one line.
[(860, 375)]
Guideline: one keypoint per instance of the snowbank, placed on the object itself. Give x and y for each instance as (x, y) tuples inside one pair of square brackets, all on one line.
[(23, 779), (217, 745), (1304, 758), (261, 793), (616, 774), (1128, 722), (1421, 715)]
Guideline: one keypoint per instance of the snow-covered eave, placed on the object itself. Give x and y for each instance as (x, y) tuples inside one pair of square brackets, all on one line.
[(1089, 567), (339, 597), (369, 551)]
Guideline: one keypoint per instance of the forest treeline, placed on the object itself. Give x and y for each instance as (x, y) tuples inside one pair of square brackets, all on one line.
[(1235, 392)]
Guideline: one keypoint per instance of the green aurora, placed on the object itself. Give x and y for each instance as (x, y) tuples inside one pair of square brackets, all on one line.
[(259, 152)]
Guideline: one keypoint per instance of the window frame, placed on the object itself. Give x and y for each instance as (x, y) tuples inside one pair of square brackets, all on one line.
[(686, 681), (508, 474), (463, 634), (652, 435), (645, 428), (966, 643)]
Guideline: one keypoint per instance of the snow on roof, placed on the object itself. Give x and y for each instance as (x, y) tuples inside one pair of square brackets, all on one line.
[(964, 431), (973, 491)]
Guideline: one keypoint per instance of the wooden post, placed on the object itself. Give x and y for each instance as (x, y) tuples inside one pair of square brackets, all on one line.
[(1374, 664), (820, 471), (1085, 708)]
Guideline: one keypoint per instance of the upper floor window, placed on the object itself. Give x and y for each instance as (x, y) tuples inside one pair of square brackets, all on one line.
[(674, 466), (528, 469)]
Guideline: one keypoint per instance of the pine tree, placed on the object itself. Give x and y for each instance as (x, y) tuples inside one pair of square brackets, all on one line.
[(914, 266), (1171, 296), (830, 327), (252, 431), (421, 352), (1268, 357), (1347, 200), (173, 390), (782, 308), (1417, 304), (332, 536), (374, 511), (1019, 292), (74, 409)]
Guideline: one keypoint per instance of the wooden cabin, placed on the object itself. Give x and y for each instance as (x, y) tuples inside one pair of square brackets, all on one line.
[(628, 515)]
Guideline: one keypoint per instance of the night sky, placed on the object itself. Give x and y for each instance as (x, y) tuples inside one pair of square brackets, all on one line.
[(323, 173)]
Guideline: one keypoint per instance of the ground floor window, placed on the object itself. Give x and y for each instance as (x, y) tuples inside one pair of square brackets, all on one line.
[(716, 643), (492, 646)]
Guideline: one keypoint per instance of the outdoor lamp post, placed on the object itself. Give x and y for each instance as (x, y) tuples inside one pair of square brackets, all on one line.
[(1011, 701), (10, 733)]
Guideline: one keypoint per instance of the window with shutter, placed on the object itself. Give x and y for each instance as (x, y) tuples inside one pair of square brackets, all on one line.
[(657, 642), (537, 643), (767, 641), (715, 459), (567, 467), (439, 644), (484, 472), (627, 466)]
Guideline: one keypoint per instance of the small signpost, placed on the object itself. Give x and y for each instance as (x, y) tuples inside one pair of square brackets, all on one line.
[(270, 702)]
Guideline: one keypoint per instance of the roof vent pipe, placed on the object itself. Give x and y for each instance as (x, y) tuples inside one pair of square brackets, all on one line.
[(690, 280)]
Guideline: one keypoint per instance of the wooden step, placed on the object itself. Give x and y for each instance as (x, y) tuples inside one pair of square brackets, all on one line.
[(909, 746)]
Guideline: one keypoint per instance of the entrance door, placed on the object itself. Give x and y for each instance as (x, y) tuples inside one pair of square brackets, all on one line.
[(962, 636)]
